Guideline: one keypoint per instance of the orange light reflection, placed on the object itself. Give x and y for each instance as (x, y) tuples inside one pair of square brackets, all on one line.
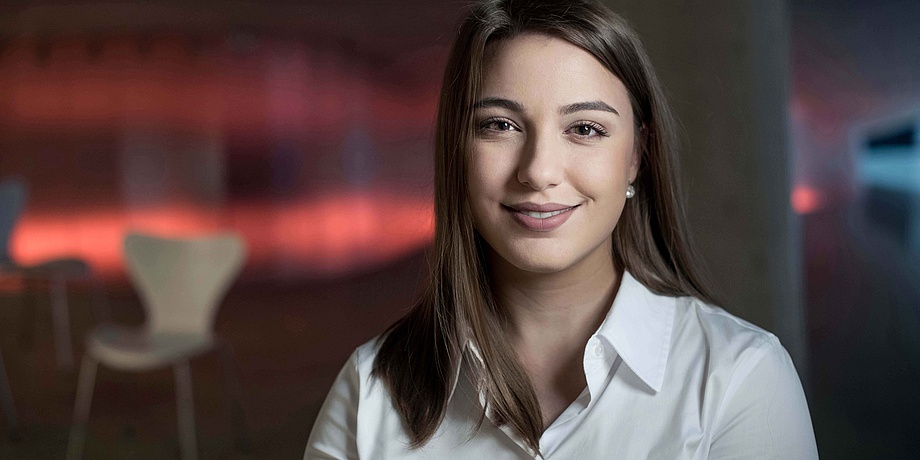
[(321, 236)]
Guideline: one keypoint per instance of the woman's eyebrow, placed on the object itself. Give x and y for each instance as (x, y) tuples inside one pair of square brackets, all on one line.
[(565, 110), (592, 105), (499, 102)]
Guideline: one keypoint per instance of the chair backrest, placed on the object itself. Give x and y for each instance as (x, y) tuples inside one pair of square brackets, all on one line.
[(182, 281), (13, 193)]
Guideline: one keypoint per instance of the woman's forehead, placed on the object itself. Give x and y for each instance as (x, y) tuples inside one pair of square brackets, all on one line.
[(537, 69)]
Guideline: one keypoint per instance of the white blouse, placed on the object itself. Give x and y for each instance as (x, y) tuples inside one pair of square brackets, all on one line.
[(668, 378)]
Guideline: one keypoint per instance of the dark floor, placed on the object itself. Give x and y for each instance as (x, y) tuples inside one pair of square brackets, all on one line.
[(289, 342)]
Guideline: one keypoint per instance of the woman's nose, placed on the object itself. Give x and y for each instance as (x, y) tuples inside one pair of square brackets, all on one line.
[(541, 163)]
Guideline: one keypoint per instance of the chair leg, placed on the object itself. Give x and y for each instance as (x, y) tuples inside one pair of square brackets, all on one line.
[(61, 322), (28, 307), (6, 403), (85, 386), (235, 403), (186, 411)]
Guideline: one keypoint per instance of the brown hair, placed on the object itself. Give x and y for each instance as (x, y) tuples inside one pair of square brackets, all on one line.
[(419, 354)]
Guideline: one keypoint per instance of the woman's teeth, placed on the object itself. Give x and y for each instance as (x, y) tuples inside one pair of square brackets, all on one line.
[(543, 215)]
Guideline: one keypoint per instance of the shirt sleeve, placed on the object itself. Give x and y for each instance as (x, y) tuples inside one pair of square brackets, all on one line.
[(765, 415), (333, 434)]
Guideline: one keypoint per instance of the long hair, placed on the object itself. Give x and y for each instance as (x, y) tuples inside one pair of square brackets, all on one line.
[(420, 353)]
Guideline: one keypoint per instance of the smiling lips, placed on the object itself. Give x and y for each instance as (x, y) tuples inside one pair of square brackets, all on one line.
[(540, 217)]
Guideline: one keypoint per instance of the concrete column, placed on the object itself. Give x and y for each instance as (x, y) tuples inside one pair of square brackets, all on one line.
[(725, 65)]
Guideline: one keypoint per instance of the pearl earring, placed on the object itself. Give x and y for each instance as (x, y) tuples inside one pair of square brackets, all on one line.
[(630, 191)]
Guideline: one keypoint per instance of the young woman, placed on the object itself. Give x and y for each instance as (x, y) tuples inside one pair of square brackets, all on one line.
[(563, 317)]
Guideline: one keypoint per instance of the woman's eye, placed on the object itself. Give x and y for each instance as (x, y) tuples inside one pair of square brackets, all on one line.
[(497, 125), (584, 130), (588, 130)]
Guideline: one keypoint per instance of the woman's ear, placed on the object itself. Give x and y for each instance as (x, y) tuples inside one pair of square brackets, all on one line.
[(636, 160)]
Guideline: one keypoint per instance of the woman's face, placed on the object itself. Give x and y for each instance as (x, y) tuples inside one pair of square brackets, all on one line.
[(552, 154)]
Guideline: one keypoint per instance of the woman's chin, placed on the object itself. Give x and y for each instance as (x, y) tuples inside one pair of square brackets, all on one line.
[(541, 263), (547, 257), (543, 269)]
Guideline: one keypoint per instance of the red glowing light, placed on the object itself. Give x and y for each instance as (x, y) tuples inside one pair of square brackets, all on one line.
[(806, 200), (326, 235)]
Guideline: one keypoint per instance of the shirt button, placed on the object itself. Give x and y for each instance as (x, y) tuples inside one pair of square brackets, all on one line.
[(598, 350)]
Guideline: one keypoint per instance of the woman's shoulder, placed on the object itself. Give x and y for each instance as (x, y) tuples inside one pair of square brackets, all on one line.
[(715, 324), (723, 337), (747, 376), (363, 357)]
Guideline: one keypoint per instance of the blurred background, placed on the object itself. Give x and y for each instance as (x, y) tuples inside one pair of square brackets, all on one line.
[(306, 128)]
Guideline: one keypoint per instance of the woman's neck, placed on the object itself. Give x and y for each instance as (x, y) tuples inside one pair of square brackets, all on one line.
[(553, 310)]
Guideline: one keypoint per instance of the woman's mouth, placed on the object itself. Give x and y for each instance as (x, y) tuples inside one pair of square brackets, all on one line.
[(540, 218)]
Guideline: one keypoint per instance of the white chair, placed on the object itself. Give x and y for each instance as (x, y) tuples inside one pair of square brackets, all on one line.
[(55, 273), (181, 283)]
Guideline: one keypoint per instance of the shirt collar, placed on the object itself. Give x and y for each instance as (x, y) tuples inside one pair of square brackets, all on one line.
[(639, 326)]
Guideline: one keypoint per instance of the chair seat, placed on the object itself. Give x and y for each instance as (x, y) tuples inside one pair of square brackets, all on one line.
[(138, 350)]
